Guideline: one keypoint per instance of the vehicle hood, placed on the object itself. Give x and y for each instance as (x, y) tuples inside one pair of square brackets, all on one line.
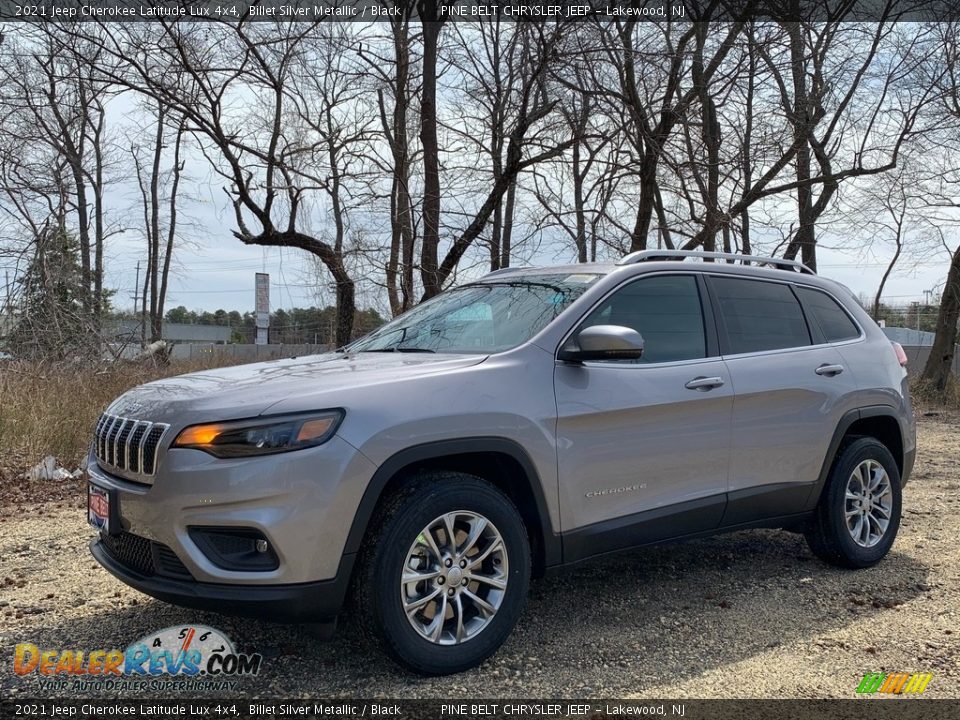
[(244, 391)]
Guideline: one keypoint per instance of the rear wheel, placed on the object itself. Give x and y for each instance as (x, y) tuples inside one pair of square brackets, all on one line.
[(445, 577), (858, 515)]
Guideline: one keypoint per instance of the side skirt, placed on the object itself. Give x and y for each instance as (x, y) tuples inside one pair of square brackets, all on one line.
[(685, 521), (643, 528)]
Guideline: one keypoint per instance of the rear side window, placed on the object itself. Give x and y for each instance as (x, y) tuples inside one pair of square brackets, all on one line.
[(832, 319), (759, 315), (665, 310)]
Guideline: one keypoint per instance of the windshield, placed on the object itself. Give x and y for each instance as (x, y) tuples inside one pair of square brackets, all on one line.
[(484, 318)]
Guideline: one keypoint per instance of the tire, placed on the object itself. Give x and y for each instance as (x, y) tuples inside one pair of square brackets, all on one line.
[(500, 555), (831, 536)]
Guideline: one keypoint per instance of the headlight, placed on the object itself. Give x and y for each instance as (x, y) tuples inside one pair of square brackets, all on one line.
[(261, 436)]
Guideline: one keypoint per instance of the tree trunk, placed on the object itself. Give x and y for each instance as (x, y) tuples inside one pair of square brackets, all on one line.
[(400, 264), (710, 135), (393, 260), (506, 237), (99, 226), (578, 206), (153, 265), (496, 228), (748, 143), (171, 229), (939, 366), (804, 240), (645, 205), (430, 251)]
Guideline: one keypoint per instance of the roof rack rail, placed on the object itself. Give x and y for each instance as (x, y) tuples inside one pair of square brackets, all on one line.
[(650, 255)]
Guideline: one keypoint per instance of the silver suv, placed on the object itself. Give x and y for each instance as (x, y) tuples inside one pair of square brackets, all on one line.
[(529, 420)]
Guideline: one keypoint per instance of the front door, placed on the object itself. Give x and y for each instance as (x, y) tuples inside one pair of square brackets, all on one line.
[(644, 445)]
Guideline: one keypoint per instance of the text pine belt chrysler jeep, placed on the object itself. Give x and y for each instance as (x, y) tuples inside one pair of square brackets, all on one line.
[(528, 420)]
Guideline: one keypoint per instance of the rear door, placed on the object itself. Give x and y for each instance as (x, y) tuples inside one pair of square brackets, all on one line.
[(790, 390), (643, 445)]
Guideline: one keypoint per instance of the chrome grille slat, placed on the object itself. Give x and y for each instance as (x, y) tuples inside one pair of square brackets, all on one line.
[(133, 445), (143, 440), (128, 445), (103, 436), (150, 446), (120, 454), (102, 440), (108, 441), (97, 432)]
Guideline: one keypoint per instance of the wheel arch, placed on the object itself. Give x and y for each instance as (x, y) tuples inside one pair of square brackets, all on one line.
[(877, 421), (500, 461)]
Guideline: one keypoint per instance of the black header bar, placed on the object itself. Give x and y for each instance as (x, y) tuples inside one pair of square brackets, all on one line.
[(895, 708), (476, 10)]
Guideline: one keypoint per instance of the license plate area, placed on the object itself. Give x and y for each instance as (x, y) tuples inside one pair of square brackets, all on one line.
[(101, 509)]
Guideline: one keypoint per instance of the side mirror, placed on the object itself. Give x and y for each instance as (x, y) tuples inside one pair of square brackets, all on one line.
[(603, 342)]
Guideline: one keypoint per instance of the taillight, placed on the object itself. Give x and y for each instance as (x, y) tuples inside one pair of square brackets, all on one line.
[(901, 355)]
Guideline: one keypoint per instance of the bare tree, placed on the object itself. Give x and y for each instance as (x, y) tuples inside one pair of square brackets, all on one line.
[(533, 105), (576, 190), (160, 235), (851, 99), (394, 84), (267, 159), (649, 86), (54, 114)]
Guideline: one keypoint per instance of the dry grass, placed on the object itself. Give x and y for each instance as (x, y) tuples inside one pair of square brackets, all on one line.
[(52, 409), (929, 397)]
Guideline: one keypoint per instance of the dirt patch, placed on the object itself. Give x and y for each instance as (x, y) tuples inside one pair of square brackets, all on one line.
[(751, 614)]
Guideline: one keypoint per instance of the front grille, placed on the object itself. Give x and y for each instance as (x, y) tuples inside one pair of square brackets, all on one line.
[(126, 444), (131, 550), (168, 563), (143, 556)]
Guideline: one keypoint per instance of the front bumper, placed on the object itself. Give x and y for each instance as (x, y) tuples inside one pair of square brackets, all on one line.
[(303, 503), (316, 602)]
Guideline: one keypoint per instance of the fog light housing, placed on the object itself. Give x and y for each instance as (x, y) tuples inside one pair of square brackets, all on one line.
[(235, 548)]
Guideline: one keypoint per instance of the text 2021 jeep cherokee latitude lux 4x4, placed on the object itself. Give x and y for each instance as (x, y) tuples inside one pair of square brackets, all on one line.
[(531, 419)]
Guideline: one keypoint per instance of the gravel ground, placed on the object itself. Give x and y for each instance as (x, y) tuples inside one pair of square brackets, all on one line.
[(751, 614)]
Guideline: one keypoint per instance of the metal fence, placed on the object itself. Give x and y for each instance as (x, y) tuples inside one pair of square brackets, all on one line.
[(917, 356), (244, 353)]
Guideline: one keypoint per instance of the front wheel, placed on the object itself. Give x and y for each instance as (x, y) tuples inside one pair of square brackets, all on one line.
[(858, 516), (445, 578)]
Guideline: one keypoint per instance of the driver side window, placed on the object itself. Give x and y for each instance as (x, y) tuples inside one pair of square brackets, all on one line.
[(665, 310)]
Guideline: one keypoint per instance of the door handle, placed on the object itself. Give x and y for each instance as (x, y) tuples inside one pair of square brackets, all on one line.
[(704, 383), (829, 370)]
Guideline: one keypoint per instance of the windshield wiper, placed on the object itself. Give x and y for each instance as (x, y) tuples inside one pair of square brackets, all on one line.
[(400, 349)]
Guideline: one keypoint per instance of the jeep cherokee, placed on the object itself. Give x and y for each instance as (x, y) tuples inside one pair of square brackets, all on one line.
[(531, 419)]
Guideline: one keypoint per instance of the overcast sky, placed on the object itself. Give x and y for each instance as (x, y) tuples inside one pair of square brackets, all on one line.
[(213, 270), (217, 270)]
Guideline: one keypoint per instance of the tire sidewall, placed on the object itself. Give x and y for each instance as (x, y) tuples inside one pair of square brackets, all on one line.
[(852, 456), (467, 494)]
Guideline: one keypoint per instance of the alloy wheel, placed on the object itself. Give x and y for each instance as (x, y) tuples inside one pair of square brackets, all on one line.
[(454, 577), (868, 504)]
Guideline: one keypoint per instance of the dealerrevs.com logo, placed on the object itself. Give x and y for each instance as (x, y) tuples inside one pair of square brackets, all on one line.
[(194, 657), (894, 683)]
